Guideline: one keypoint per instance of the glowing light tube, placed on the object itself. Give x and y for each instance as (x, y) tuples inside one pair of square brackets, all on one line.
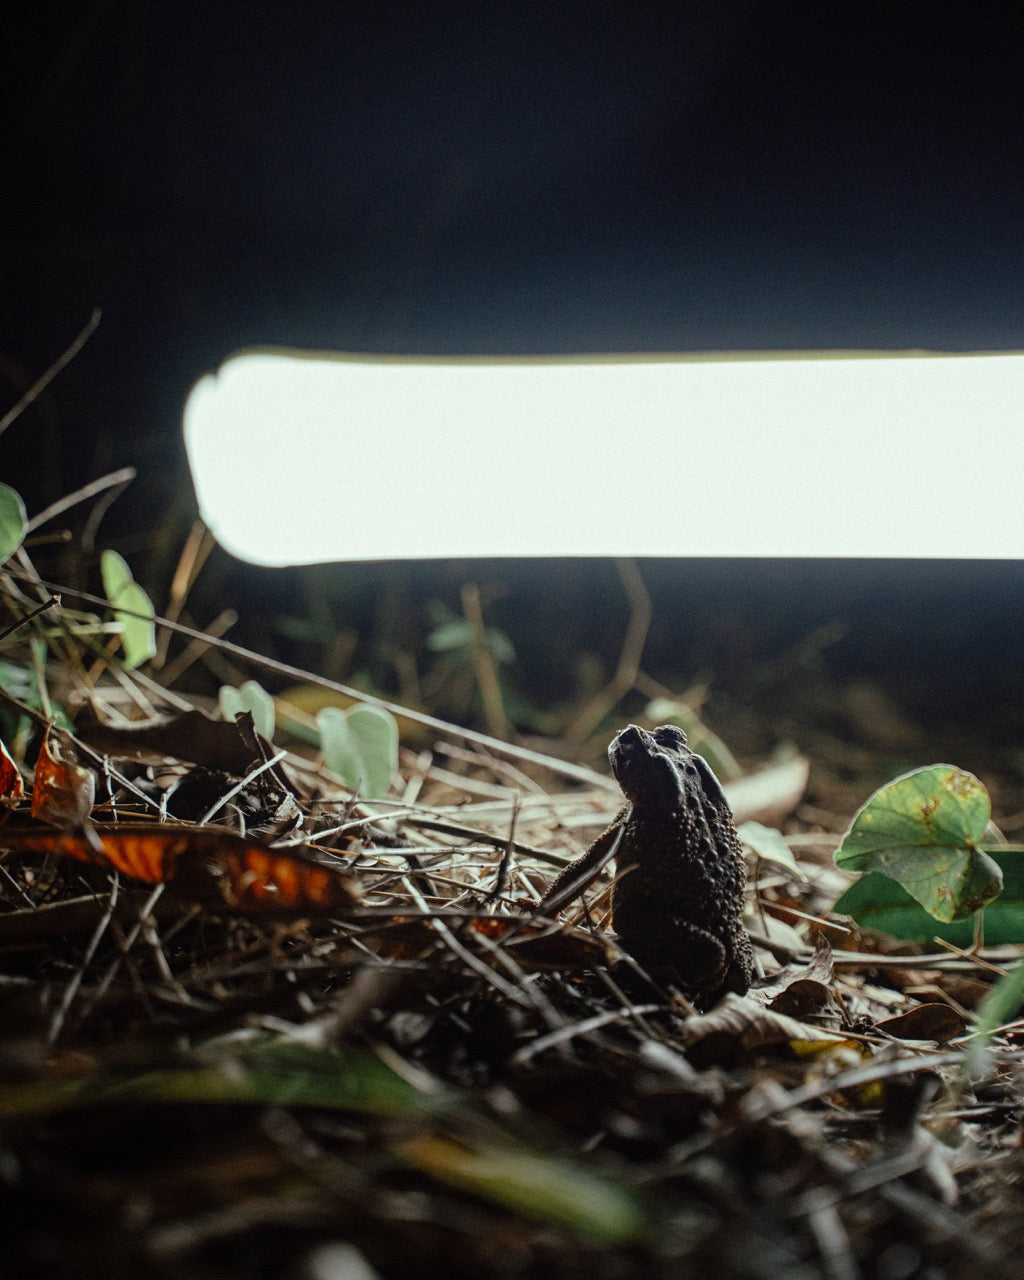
[(309, 458)]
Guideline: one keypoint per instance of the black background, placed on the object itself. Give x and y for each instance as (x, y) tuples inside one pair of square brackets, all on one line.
[(521, 178)]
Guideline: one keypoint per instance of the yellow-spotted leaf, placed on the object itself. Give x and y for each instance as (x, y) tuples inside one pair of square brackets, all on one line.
[(923, 831)]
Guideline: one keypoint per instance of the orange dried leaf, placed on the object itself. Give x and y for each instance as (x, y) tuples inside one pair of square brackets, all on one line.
[(205, 864), (63, 792), (12, 789)]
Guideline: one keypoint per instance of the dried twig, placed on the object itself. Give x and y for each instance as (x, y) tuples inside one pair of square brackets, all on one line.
[(483, 663), (628, 666), (40, 384)]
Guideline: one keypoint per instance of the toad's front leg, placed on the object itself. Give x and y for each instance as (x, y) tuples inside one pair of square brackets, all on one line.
[(576, 878)]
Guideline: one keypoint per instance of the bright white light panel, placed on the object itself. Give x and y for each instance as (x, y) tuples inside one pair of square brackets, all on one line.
[(299, 459)]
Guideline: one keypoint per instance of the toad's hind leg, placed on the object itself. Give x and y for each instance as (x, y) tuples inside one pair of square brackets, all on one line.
[(678, 952)]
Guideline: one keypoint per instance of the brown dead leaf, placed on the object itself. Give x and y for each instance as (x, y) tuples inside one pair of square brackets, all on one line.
[(63, 792), (805, 990), (742, 1023), (936, 1022), (193, 736), (818, 969), (963, 989)]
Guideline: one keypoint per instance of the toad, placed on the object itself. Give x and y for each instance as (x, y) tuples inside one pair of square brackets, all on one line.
[(677, 900)]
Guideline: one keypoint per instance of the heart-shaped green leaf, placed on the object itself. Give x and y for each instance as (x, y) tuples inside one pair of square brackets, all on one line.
[(12, 521), (361, 746), (922, 830), (880, 903), (138, 634), (250, 696)]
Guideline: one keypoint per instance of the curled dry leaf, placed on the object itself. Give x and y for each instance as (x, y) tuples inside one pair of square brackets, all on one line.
[(743, 1023), (228, 746), (818, 969), (936, 1022), (807, 998), (204, 864), (63, 792), (805, 990), (12, 789)]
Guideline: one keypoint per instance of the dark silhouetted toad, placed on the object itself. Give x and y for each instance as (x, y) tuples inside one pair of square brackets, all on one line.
[(677, 900)]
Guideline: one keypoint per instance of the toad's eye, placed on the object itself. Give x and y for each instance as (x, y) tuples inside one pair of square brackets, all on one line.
[(669, 735)]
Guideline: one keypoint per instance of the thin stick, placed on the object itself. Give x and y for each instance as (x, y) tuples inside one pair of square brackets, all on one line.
[(502, 873), (198, 545), (507, 989), (483, 663), (40, 385), (47, 604), (629, 657), (122, 477), (71, 990), (126, 946), (584, 1027), (240, 786)]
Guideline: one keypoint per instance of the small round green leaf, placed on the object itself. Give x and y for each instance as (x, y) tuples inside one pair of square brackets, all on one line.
[(115, 573), (922, 830), (138, 633), (250, 696), (770, 845), (361, 746), (13, 521)]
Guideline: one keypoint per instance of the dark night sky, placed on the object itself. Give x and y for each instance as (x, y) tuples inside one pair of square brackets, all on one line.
[(477, 178), (514, 177)]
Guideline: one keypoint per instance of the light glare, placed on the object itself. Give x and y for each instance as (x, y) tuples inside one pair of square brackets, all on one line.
[(300, 459)]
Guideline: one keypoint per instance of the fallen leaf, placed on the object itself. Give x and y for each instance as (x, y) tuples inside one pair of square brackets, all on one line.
[(193, 736), (63, 792), (12, 789), (742, 1022), (936, 1022), (770, 795), (207, 865), (542, 1186), (770, 845)]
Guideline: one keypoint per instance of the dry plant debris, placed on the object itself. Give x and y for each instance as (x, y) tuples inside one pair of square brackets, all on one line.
[(254, 1025)]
